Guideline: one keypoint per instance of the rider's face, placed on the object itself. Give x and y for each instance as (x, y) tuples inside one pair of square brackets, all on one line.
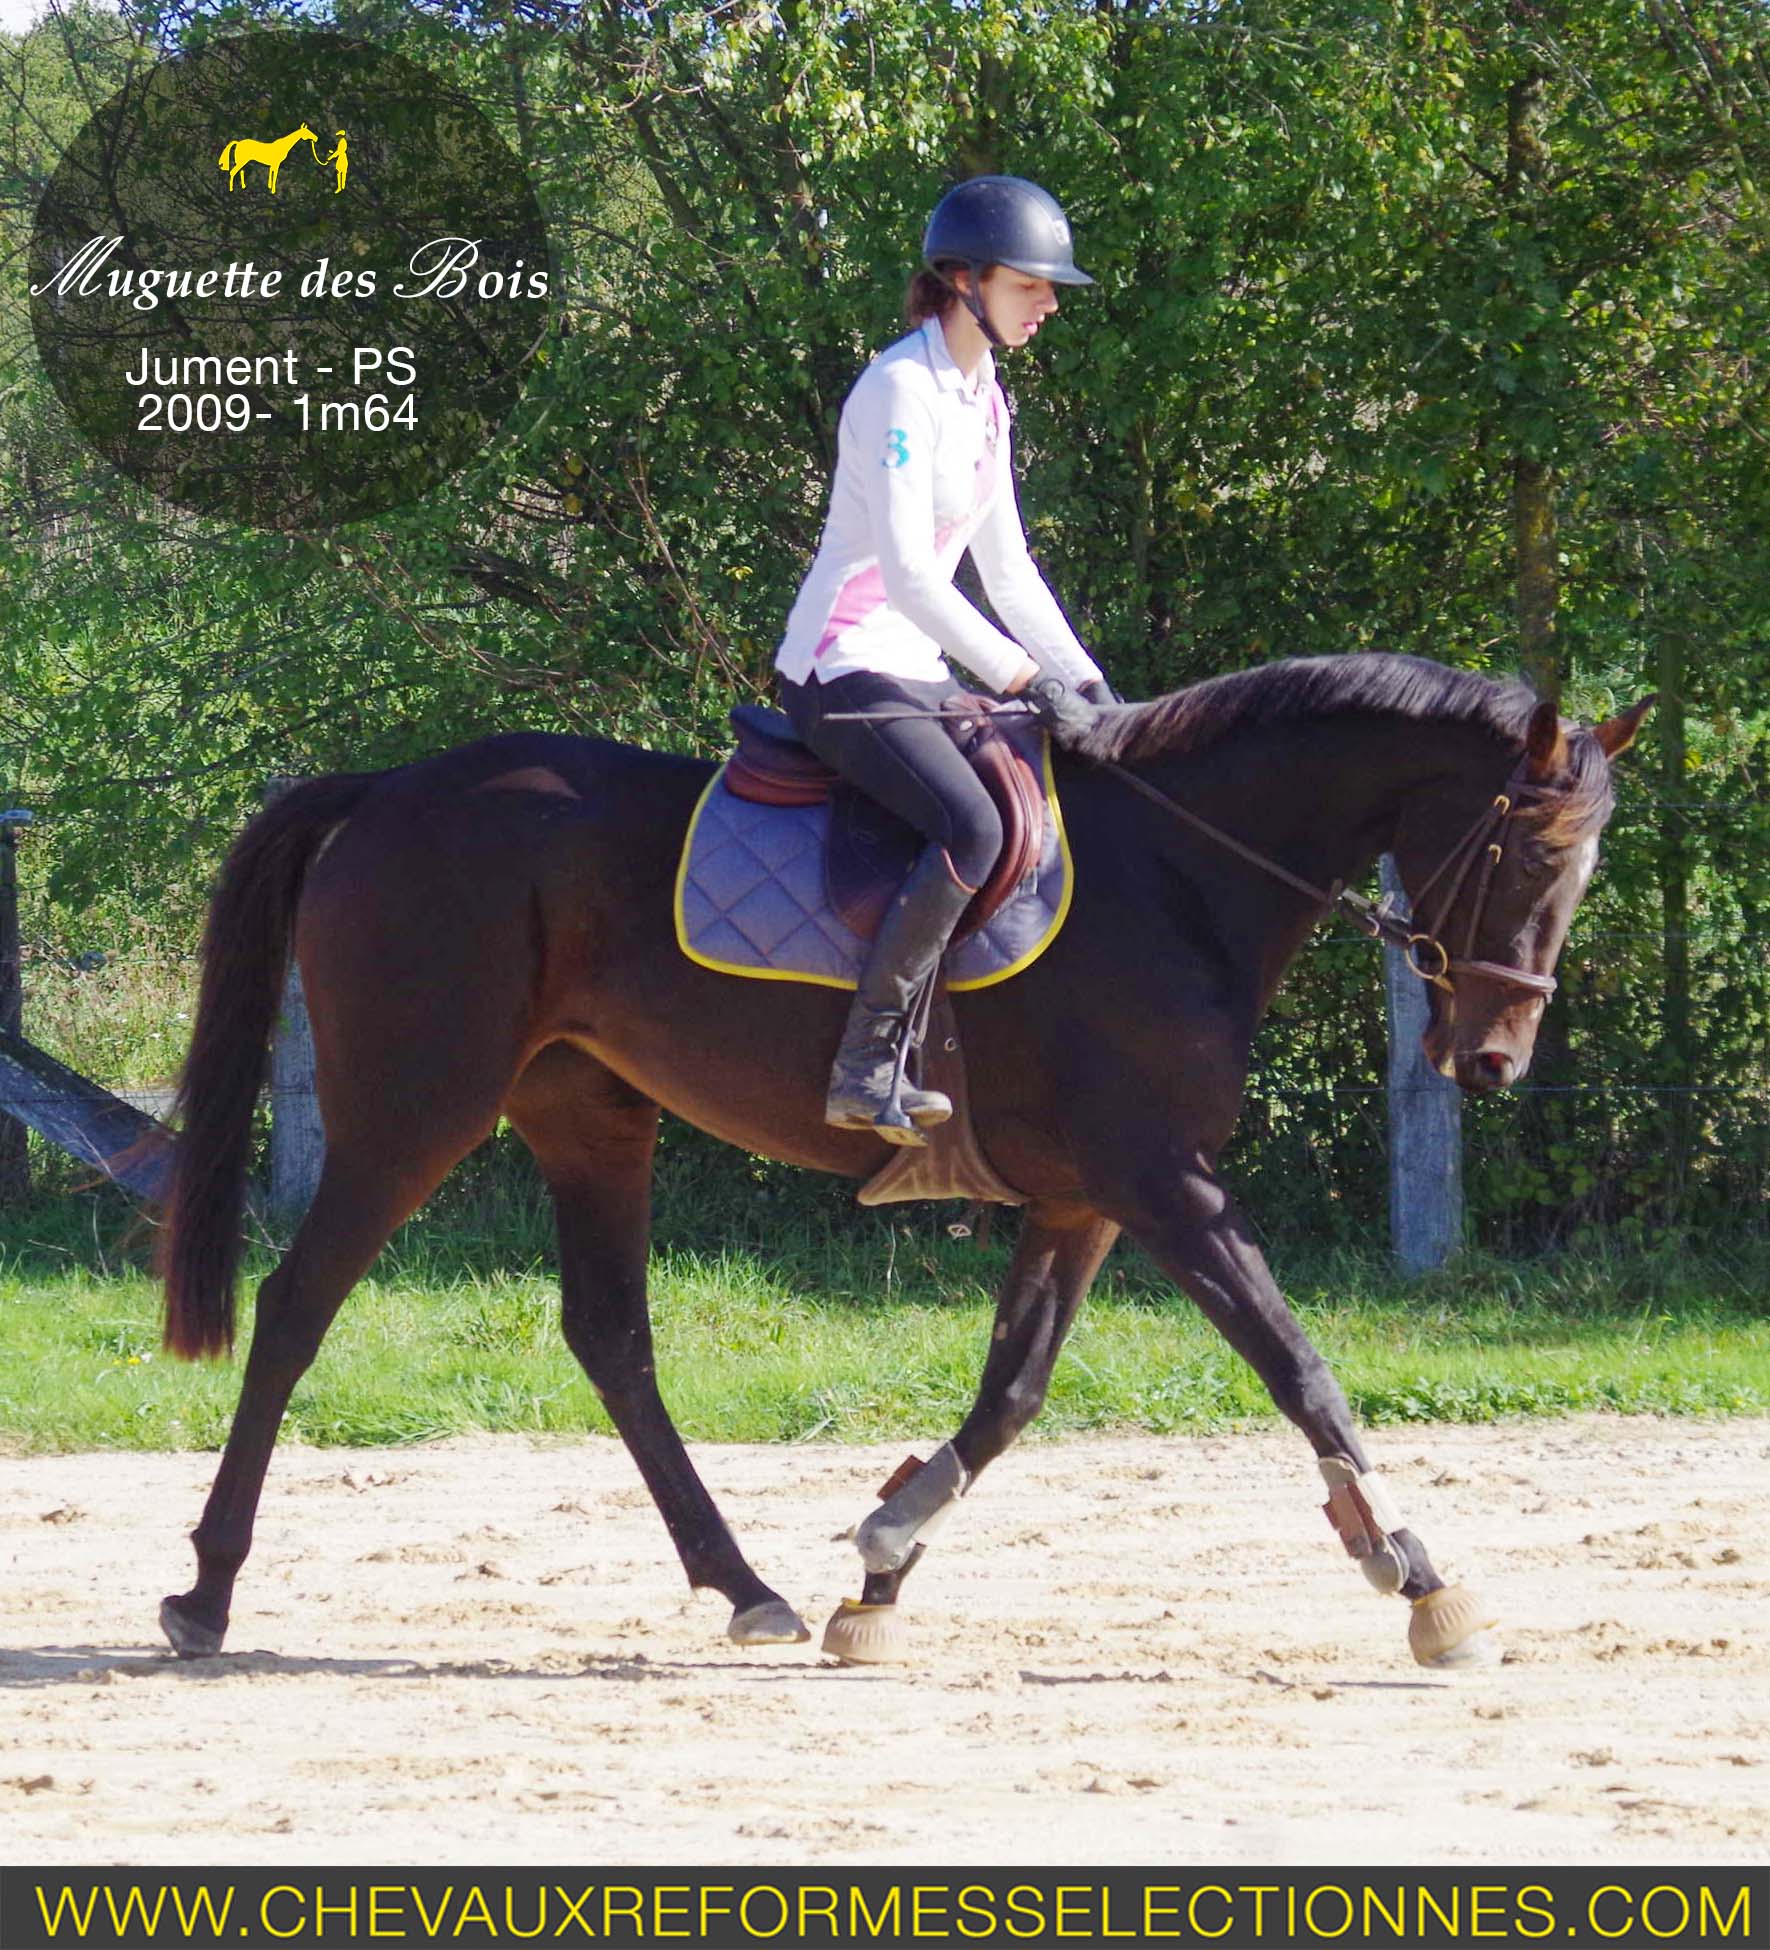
[(1016, 304)]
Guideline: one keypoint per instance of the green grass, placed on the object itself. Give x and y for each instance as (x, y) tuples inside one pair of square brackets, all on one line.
[(862, 1330)]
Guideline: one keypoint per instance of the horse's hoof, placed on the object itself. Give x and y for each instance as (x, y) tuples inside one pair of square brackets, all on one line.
[(773, 1622), (1452, 1627), (188, 1639), (866, 1635)]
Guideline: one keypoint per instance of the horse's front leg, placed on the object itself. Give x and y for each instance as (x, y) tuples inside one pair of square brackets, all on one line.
[(1058, 1254), (1197, 1234)]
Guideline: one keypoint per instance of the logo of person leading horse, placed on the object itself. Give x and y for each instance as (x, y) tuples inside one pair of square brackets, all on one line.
[(489, 934), (238, 154)]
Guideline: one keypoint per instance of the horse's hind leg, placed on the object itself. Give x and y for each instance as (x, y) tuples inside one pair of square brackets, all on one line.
[(355, 1211), (593, 1137), (1055, 1260)]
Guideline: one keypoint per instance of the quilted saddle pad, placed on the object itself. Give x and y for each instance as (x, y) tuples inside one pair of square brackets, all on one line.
[(752, 899)]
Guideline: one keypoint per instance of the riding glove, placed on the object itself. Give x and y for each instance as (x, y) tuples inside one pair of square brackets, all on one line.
[(1098, 691), (1065, 714)]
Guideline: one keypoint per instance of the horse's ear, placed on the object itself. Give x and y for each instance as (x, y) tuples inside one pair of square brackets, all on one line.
[(1544, 745), (1616, 735)]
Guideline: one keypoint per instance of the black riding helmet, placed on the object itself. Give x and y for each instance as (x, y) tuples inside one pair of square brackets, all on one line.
[(1000, 220)]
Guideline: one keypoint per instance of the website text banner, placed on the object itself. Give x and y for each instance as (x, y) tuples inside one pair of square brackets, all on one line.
[(249, 1908)]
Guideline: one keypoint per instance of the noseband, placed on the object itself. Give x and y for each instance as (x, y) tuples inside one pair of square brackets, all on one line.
[(1426, 954), (1484, 841)]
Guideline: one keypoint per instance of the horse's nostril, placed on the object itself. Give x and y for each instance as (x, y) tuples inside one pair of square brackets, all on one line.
[(1484, 1070)]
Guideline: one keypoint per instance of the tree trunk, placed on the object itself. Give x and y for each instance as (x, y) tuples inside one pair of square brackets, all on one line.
[(1677, 1054), (1533, 534), (1142, 512), (1533, 478), (15, 1171)]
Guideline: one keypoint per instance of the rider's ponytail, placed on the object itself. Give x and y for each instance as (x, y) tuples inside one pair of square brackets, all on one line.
[(927, 296)]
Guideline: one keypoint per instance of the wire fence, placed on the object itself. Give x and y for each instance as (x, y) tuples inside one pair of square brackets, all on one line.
[(1603, 1138), (1567, 1161)]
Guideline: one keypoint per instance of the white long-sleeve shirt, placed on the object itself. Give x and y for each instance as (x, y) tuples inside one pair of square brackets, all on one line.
[(923, 472)]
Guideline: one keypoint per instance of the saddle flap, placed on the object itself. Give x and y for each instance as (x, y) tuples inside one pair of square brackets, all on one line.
[(869, 852), (953, 1163), (1019, 794)]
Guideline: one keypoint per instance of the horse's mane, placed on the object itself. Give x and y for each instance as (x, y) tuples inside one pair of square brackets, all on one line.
[(1302, 688), (1314, 687)]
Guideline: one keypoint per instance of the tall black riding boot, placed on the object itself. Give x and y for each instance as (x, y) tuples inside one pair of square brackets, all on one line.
[(905, 952)]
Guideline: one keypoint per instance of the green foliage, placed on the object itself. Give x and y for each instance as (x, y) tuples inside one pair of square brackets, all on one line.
[(1358, 262)]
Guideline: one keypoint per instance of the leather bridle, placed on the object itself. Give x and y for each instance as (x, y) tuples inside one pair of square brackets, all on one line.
[(1484, 841)]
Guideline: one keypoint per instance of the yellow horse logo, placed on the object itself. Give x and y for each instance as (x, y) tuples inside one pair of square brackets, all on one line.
[(237, 155)]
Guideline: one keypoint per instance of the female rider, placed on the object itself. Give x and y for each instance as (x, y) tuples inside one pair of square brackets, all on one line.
[(922, 474)]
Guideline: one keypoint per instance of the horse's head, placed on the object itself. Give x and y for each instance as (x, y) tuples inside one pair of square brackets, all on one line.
[(1492, 900)]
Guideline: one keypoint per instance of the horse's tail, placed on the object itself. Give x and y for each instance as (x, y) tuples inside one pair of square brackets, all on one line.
[(226, 159), (245, 958)]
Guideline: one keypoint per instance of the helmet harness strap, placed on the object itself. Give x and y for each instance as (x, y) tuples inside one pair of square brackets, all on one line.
[(972, 300)]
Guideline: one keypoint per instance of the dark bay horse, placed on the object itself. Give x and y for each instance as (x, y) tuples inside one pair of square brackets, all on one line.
[(489, 933)]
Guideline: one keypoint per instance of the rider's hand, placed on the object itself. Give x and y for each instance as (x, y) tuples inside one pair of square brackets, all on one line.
[(1098, 691), (1065, 714)]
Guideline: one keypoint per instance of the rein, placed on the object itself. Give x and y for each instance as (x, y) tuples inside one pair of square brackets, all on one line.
[(1485, 840)]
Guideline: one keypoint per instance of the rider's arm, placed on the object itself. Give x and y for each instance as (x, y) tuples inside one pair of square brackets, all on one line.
[(1021, 596), (891, 425)]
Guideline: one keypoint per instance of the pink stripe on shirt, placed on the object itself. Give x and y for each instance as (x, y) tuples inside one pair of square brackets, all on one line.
[(856, 600)]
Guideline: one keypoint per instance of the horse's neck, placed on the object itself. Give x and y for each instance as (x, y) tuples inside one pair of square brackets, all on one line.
[(1321, 798)]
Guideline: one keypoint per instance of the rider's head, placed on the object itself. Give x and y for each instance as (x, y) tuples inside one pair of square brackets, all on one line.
[(997, 245)]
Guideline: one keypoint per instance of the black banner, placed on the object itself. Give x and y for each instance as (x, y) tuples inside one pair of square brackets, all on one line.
[(260, 1909)]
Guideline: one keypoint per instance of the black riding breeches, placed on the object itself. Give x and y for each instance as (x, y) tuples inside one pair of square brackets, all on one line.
[(910, 765)]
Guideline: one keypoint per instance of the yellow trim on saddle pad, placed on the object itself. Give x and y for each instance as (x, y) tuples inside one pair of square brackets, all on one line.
[(850, 982)]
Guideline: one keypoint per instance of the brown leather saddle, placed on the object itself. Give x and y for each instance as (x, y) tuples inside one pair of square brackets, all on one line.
[(871, 849)]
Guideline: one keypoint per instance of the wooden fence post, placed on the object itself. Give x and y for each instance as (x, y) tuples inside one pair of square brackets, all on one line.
[(15, 1157), (297, 1138), (1425, 1122)]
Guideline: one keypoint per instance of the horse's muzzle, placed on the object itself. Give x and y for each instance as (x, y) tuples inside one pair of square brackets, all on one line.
[(1484, 1070)]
